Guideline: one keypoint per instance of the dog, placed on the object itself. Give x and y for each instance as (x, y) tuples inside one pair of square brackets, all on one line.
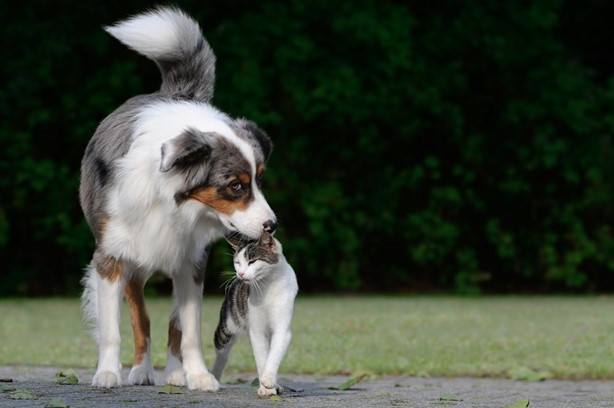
[(162, 178)]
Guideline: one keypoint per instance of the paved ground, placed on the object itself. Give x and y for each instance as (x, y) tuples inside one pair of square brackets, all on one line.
[(313, 391)]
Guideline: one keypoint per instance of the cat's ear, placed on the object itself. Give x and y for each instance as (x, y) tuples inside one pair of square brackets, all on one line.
[(268, 241), (236, 241)]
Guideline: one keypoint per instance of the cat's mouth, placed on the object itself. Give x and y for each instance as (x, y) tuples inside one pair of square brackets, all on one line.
[(247, 280)]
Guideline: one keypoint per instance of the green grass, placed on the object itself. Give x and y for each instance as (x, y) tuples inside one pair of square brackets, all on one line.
[(566, 337)]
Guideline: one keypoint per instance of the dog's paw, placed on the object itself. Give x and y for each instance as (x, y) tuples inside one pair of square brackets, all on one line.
[(107, 379), (203, 381), (175, 377), (141, 375)]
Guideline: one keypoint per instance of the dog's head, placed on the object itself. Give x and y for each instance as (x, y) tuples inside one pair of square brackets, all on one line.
[(224, 173)]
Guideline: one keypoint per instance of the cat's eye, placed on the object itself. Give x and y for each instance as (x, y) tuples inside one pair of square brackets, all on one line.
[(251, 261)]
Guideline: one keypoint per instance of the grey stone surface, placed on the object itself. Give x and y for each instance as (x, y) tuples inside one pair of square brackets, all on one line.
[(312, 391)]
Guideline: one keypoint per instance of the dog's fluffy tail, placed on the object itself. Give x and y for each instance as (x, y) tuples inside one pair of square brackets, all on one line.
[(175, 42)]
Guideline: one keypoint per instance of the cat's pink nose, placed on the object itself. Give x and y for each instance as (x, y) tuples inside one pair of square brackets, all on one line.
[(241, 274)]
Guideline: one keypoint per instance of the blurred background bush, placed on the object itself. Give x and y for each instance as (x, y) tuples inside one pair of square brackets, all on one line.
[(450, 146)]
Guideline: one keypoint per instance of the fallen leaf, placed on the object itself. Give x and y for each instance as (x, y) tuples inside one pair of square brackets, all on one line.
[(350, 383), (275, 398), (170, 389), (66, 373), (256, 382), (518, 404), (56, 403), (6, 388), (22, 394), (70, 380), (528, 374), (449, 397)]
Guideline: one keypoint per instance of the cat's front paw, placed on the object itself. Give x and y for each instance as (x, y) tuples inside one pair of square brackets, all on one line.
[(265, 392), (268, 381), (202, 381), (269, 386)]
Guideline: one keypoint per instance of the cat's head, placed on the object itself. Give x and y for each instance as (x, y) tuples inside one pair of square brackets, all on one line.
[(253, 260)]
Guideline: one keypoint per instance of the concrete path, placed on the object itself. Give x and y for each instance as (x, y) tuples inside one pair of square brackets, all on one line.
[(311, 392)]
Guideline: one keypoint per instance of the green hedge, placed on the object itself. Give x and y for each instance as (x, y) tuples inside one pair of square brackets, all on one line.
[(459, 146)]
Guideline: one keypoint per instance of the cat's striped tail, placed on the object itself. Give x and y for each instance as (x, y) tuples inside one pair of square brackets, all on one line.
[(233, 322)]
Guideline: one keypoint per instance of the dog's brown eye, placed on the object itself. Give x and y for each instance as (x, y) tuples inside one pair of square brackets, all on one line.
[(235, 185)]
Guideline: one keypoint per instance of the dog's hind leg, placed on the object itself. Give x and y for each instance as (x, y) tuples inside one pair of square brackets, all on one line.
[(188, 289), (142, 372), (109, 287)]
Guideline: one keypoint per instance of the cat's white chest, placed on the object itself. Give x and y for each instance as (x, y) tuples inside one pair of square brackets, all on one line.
[(275, 299)]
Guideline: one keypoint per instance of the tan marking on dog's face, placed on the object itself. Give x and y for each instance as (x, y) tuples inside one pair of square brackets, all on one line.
[(108, 267), (139, 318), (259, 174), (244, 179), (174, 338), (236, 195)]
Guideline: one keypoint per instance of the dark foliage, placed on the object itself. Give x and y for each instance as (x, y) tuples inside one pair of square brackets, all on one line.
[(456, 146)]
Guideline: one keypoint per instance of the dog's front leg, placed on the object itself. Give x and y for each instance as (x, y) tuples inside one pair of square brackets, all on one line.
[(109, 291), (188, 289)]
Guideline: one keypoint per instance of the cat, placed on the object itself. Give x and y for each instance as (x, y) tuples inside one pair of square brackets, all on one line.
[(260, 302)]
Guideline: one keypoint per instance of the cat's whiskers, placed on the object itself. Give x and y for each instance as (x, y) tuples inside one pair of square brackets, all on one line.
[(257, 286), (226, 284)]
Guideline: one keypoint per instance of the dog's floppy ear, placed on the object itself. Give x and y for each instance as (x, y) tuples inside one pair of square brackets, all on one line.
[(189, 147), (257, 136)]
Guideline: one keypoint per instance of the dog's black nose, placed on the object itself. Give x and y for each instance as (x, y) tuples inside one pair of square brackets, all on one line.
[(270, 226)]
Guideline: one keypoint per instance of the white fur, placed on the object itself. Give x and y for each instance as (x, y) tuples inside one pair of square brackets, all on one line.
[(143, 374), (141, 206), (149, 232), (145, 228), (173, 372), (188, 297), (269, 317), (109, 295), (89, 300), (157, 34)]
